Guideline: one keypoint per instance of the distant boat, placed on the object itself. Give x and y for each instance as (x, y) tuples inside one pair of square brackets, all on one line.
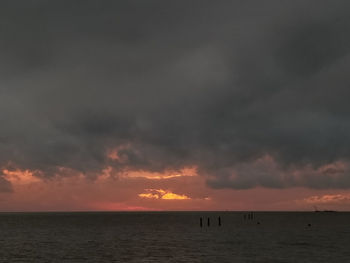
[(323, 211)]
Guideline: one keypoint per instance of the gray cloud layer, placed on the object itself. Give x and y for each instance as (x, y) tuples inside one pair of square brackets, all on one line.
[(208, 83)]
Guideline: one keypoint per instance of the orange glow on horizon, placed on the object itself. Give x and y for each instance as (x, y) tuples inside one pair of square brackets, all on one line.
[(327, 199), (116, 206), (111, 190)]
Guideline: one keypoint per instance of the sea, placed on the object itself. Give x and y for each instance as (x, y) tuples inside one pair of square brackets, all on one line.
[(175, 237)]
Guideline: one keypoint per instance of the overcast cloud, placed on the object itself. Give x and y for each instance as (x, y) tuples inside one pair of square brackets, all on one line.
[(248, 91)]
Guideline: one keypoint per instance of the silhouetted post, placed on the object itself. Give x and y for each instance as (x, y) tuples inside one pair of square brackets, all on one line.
[(201, 222), (219, 221), (245, 217), (208, 221)]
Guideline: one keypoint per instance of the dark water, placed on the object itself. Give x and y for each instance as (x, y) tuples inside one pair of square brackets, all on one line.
[(174, 237)]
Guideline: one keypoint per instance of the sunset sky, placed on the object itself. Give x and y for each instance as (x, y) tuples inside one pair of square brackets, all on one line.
[(174, 105)]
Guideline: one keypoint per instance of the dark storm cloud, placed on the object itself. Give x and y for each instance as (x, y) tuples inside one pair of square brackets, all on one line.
[(213, 84)]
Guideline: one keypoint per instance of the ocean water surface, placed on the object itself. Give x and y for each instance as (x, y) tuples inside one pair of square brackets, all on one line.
[(175, 237)]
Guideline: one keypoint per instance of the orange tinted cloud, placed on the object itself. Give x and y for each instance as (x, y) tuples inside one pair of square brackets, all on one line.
[(162, 194), (187, 171), (20, 176), (117, 154), (149, 195), (172, 196)]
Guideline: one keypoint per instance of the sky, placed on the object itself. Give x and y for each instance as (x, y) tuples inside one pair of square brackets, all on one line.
[(174, 105)]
